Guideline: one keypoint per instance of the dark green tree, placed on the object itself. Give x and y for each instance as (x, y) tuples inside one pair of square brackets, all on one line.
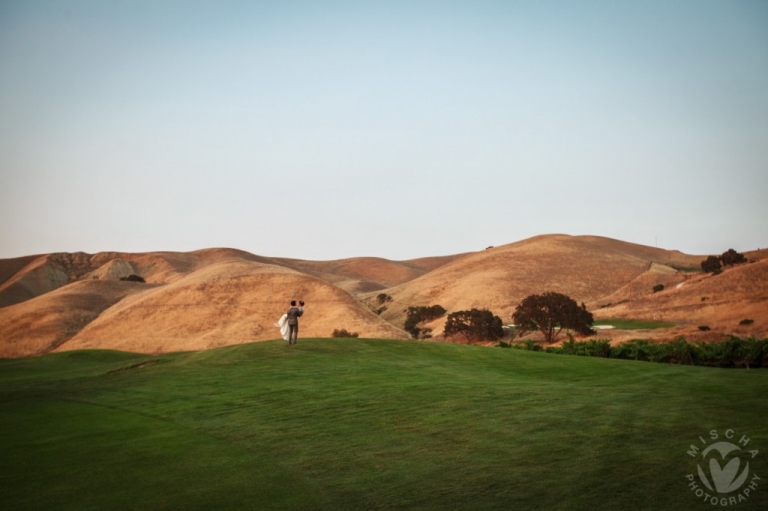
[(133, 278), (550, 313), (416, 315), (474, 325), (732, 258), (711, 265)]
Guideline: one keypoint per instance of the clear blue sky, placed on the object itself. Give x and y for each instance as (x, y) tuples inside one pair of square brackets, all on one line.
[(323, 130)]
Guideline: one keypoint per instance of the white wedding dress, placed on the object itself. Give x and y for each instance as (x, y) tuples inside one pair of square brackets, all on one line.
[(282, 324)]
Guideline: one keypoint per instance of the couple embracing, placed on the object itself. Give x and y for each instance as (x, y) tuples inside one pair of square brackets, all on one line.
[(289, 322)]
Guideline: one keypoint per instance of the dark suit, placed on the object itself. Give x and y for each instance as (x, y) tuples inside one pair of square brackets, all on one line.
[(293, 323)]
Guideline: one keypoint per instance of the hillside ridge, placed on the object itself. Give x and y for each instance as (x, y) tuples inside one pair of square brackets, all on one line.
[(218, 296)]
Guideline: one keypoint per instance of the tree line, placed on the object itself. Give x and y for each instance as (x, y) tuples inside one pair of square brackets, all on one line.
[(550, 313), (734, 352), (715, 264)]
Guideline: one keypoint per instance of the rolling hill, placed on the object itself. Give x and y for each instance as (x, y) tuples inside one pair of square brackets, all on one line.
[(215, 297), (583, 267)]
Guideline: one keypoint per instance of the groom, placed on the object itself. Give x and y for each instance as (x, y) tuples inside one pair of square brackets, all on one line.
[(293, 321)]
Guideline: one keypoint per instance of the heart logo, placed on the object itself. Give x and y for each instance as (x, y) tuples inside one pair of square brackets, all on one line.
[(724, 478)]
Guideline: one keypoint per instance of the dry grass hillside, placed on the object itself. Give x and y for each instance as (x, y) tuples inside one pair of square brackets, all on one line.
[(33, 277), (226, 303), (719, 302), (586, 268), (191, 301), (27, 277), (44, 323), (214, 297), (366, 274)]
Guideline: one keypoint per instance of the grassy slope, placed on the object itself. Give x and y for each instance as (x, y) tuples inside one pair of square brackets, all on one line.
[(633, 324), (351, 424)]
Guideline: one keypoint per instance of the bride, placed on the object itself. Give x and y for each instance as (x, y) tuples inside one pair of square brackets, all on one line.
[(282, 324)]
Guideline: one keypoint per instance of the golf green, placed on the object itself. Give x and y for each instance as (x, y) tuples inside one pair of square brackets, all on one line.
[(372, 424)]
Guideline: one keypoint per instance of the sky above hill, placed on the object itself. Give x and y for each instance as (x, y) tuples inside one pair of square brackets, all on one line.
[(323, 130)]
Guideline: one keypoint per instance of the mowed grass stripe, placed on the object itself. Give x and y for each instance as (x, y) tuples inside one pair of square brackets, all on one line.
[(366, 424)]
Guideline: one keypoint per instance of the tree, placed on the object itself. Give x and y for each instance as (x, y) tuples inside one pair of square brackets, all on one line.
[(416, 315), (550, 313), (732, 258), (474, 325), (711, 265)]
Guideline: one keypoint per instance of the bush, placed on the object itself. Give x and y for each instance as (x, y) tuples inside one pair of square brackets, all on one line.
[(711, 265), (591, 348), (416, 315), (732, 258), (746, 321), (344, 333), (531, 345), (132, 278), (527, 345), (658, 287), (734, 352)]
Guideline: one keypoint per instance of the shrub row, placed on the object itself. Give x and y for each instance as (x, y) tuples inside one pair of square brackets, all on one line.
[(734, 352), (343, 332)]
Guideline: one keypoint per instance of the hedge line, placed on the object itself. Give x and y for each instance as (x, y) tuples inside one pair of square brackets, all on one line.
[(734, 352)]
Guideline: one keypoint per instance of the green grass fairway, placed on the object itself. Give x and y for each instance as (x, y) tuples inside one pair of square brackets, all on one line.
[(343, 424), (633, 324)]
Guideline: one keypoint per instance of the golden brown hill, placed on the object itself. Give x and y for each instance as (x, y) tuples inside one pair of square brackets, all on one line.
[(41, 324), (213, 297), (28, 277), (199, 299), (44, 273), (226, 303), (719, 302), (10, 267), (38, 276), (583, 267), (366, 274)]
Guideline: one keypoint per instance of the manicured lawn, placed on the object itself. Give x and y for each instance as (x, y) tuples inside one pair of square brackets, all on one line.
[(343, 424), (633, 324)]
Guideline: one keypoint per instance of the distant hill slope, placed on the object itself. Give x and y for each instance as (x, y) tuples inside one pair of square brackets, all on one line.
[(10, 267), (28, 277), (365, 274), (226, 303), (214, 297), (24, 278), (33, 276), (192, 300), (44, 323), (719, 302), (583, 267)]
